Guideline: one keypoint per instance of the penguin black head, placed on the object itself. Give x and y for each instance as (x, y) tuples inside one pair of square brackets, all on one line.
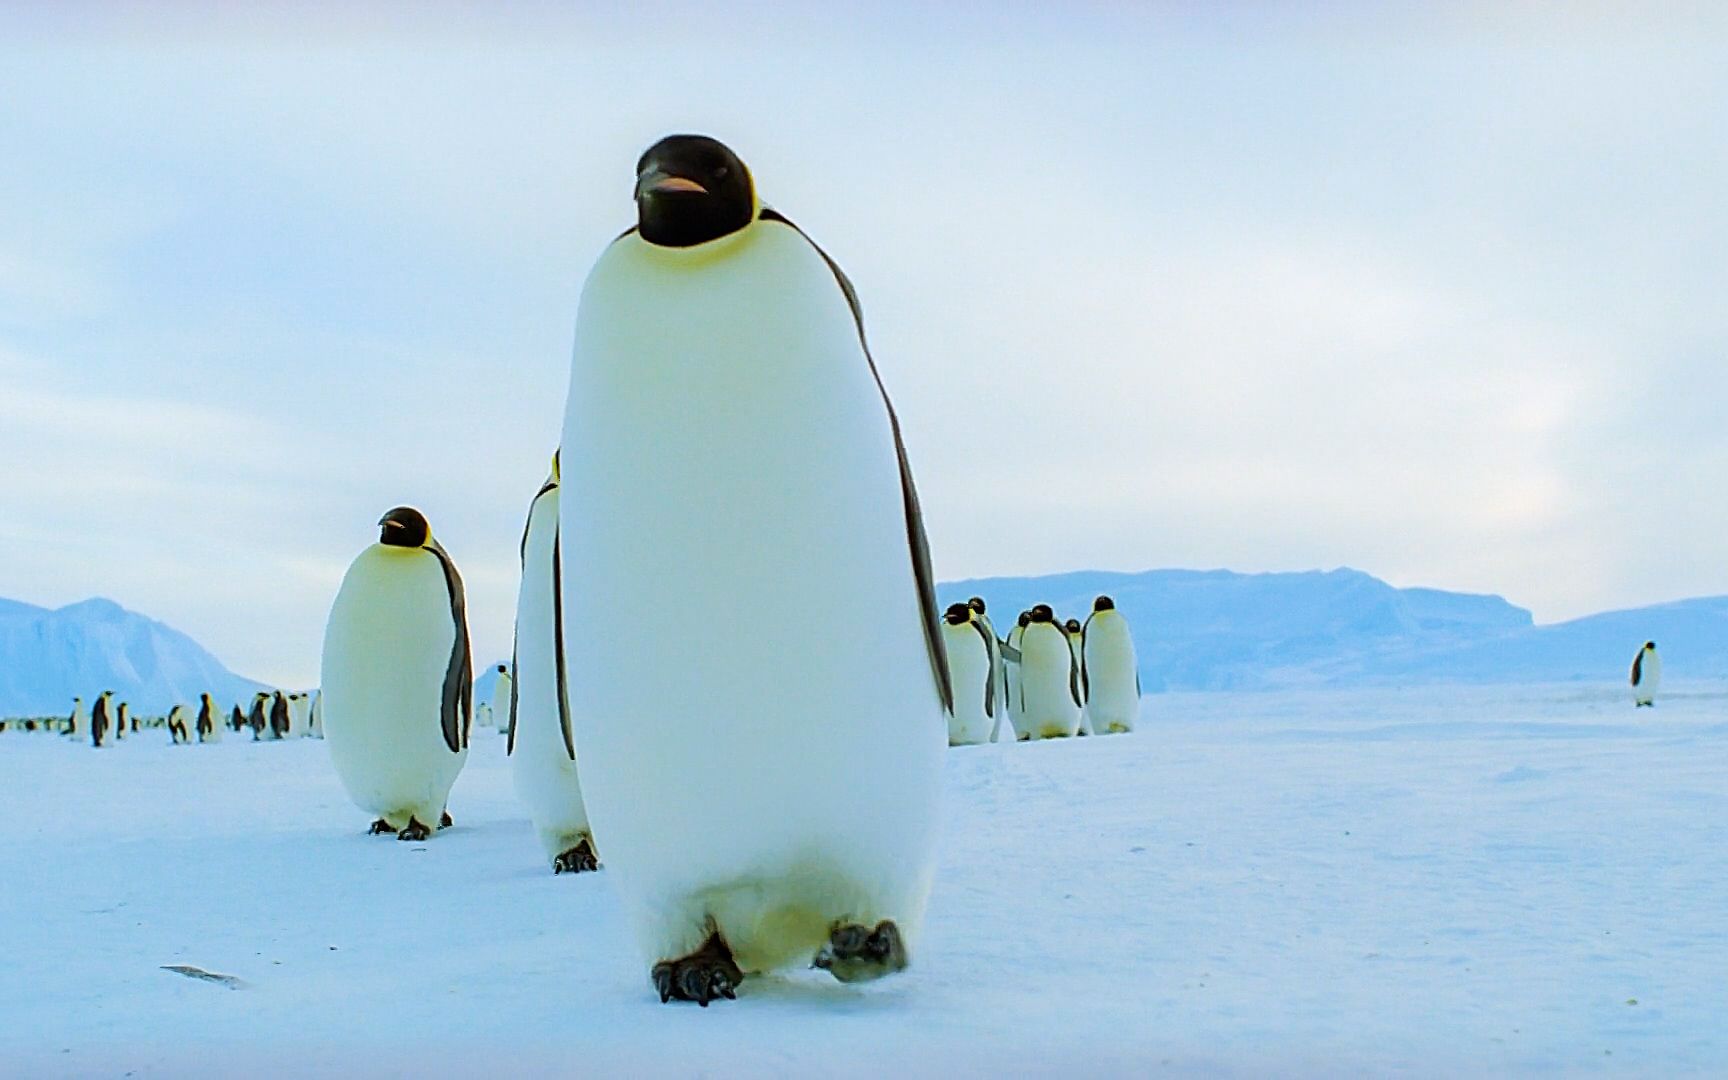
[(957, 614), (1103, 603), (691, 189), (404, 527), (1042, 613), (1025, 617), (976, 604), (1072, 626), (1649, 644), (503, 670)]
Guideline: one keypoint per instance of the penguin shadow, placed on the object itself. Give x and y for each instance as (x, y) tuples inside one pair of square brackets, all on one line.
[(819, 992)]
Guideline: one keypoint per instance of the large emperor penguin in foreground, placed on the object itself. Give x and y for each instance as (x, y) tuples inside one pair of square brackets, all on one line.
[(397, 680), (767, 796), (1109, 670), (1646, 676), (542, 743)]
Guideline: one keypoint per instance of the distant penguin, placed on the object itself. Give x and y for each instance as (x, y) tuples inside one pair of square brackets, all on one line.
[(209, 725), (315, 716), (281, 723), (1109, 670), (79, 721), (259, 718), (764, 797), (501, 691), (1646, 676), (237, 720), (967, 644), (542, 745), (398, 679), (483, 716), (1001, 728), (1049, 678), (1072, 629), (102, 719), (123, 721), (299, 715), (179, 730), (1012, 672)]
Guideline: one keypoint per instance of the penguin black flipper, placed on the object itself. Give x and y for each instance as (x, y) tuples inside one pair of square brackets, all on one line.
[(558, 654), (1638, 668), (989, 670), (510, 739), (458, 700), (917, 541)]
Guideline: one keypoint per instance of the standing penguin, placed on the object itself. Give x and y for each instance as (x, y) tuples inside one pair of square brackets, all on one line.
[(398, 679), (1001, 730), (78, 721), (1012, 677), (1073, 630), (1646, 676), (209, 725), (259, 718), (122, 719), (179, 731), (281, 722), (237, 720), (1109, 670), (503, 688), (299, 710), (765, 799), (315, 716), (102, 718), (968, 645), (542, 745), (1049, 678)]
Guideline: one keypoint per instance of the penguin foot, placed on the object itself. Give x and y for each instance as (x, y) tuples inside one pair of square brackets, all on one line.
[(577, 859), (445, 820), (380, 828), (857, 953), (704, 975), (414, 831)]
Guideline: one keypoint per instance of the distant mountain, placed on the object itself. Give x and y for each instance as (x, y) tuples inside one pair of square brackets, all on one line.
[(1220, 630), (49, 656)]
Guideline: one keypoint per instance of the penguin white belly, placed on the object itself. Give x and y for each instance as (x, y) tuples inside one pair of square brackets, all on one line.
[(1112, 679), (1050, 711), (386, 649), (501, 703), (297, 718), (1649, 679), (970, 675), (729, 465), (540, 763)]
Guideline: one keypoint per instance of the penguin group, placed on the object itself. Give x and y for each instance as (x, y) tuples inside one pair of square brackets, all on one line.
[(274, 715)]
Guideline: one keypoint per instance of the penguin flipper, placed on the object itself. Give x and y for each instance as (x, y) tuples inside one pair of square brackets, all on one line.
[(457, 712), (916, 539)]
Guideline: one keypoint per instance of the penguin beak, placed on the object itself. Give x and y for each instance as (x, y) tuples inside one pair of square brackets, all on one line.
[(657, 182)]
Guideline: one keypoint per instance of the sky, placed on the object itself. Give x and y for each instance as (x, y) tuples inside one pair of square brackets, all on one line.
[(1437, 294)]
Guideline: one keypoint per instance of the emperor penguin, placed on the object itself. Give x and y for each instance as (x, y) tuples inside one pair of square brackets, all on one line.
[(1072, 629), (179, 731), (502, 688), (1001, 730), (78, 721), (315, 716), (483, 716), (237, 720), (259, 718), (299, 706), (398, 680), (1012, 672), (1049, 678), (122, 719), (281, 722), (542, 744), (102, 718), (764, 799), (968, 645), (1646, 676), (209, 725), (1109, 670)]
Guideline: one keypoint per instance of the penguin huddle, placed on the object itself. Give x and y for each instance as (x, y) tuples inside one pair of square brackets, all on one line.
[(1047, 679), (106, 722)]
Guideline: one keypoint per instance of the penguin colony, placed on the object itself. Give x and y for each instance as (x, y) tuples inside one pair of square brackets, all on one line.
[(766, 800)]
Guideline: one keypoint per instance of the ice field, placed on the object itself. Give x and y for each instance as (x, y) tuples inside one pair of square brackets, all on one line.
[(1441, 881)]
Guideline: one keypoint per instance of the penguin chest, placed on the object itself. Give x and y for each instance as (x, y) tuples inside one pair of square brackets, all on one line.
[(969, 671)]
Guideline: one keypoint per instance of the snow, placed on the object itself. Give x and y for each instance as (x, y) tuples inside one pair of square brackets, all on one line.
[(1437, 881)]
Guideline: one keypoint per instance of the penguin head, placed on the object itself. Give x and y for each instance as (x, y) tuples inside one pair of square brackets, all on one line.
[(503, 669), (957, 614), (691, 189), (1042, 613), (1025, 617), (1103, 603), (404, 527), (976, 604), (1072, 626), (1650, 646)]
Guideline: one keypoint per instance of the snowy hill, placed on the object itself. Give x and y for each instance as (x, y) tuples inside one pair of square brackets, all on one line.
[(1219, 630), (49, 656)]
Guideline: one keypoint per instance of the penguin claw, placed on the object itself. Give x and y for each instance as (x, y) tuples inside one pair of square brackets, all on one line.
[(414, 831), (445, 820), (379, 828), (705, 975), (576, 860), (857, 953)]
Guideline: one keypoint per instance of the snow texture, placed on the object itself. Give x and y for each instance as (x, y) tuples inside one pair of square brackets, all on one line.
[(1442, 881)]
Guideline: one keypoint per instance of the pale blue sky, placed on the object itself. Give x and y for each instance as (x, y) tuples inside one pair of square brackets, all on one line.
[(1439, 297)]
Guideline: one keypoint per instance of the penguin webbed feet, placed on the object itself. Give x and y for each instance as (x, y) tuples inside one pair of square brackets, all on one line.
[(414, 831), (445, 820), (380, 828), (857, 953), (577, 859), (703, 976)]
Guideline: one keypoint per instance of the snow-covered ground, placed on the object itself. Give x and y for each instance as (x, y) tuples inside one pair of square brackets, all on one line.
[(1437, 881)]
